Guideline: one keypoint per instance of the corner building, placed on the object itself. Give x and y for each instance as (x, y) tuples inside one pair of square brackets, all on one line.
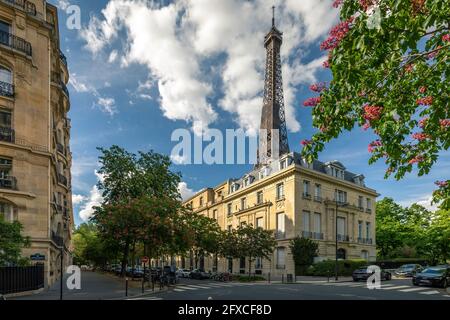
[(35, 157), (289, 196)]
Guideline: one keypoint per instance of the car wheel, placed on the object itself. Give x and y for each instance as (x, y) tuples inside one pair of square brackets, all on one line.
[(355, 280), (415, 283)]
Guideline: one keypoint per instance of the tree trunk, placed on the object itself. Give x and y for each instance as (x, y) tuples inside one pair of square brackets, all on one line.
[(126, 251)]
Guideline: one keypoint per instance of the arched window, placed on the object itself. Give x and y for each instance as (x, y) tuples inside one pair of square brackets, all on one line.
[(341, 254), (5, 75)]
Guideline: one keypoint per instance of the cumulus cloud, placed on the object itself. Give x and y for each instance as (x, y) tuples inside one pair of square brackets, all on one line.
[(107, 105), (78, 199), (182, 37), (425, 201), (185, 192), (88, 203)]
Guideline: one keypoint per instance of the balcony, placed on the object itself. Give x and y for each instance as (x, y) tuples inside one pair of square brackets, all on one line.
[(7, 135), (365, 241), (60, 148), (281, 266), (307, 234), (318, 199), (63, 57), (62, 179), (307, 196), (16, 43), (25, 5), (59, 241), (368, 210), (56, 79), (8, 183), (6, 89), (343, 238), (318, 236)]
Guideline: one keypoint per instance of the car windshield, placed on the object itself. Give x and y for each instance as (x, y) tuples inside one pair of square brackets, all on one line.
[(407, 267), (434, 271)]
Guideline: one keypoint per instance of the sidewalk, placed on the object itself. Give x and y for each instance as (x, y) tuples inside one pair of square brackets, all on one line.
[(305, 279)]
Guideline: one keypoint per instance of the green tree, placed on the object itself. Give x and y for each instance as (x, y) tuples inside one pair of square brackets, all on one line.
[(254, 243), (303, 251), (141, 199), (437, 238), (11, 243), (390, 65)]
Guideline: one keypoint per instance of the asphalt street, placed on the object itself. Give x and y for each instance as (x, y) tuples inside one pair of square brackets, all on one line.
[(390, 290)]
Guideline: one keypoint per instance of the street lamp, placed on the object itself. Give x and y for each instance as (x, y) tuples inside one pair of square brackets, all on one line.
[(336, 267), (62, 272)]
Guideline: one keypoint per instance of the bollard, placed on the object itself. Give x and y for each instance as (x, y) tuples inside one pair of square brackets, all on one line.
[(269, 277), (282, 278), (143, 281), (126, 287)]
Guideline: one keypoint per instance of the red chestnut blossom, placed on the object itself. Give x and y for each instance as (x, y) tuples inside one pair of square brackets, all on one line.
[(337, 3), (323, 129), (337, 34), (306, 142), (423, 122), (374, 145), (445, 123), (423, 89), (409, 68), (318, 87), (427, 101), (312, 102), (441, 184), (372, 112), (446, 37), (417, 159), (365, 4), (420, 136), (366, 126), (434, 53)]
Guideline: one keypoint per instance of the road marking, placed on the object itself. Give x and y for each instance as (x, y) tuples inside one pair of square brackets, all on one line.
[(187, 288), (446, 295), (146, 298), (358, 285), (430, 292), (197, 286), (179, 290), (395, 288), (413, 289)]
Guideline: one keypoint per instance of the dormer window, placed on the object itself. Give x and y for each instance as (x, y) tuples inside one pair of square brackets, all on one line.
[(234, 187), (283, 164)]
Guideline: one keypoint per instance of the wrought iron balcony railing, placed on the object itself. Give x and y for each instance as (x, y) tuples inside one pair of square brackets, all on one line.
[(60, 148), (16, 43), (306, 196), (365, 240), (6, 89), (56, 78), (307, 234), (62, 179), (7, 134), (343, 238), (280, 235), (318, 236), (27, 6), (63, 58), (8, 183), (318, 199)]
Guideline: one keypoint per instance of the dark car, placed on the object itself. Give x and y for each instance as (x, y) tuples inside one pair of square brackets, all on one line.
[(434, 276), (362, 274), (199, 274), (408, 270)]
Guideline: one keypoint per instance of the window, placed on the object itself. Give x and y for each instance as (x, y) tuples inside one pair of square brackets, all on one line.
[(5, 75), (5, 28), (6, 211), (283, 164), (235, 187), (341, 196), (360, 202), (243, 203), (306, 222), (365, 255), (360, 230), (258, 263), (369, 204), (317, 223), (247, 182), (242, 263), (281, 225), (219, 194), (280, 191), (201, 201), (5, 168), (230, 228), (230, 209), (368, 233), (214, 215), (318, 192), (259, 197), (281, 258), (306, 191), (341, 227), (260, 223), (6, 133)]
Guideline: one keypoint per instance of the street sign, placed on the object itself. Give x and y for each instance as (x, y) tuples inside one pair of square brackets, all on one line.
[(37, 257), (145, 260)]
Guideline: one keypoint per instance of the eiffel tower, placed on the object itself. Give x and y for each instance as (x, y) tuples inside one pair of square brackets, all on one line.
[(273, 120)]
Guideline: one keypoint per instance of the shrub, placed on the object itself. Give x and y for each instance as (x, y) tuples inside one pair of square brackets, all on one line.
[(327, 268)]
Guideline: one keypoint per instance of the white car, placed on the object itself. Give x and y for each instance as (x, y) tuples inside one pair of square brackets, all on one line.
[(183, 273)]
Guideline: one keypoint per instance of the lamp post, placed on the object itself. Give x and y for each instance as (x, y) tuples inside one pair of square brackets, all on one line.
[(62, 272), (336, 267)]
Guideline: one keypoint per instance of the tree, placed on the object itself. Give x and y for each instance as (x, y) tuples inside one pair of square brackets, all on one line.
[(390, 62), (11, 243), (141, 200), (437, 244), (303, 251), (254, 243)]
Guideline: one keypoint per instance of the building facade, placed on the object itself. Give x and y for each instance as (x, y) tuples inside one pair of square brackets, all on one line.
[(284, 193), (35, 157)]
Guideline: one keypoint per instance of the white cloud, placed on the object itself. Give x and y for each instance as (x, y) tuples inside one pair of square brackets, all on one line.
[(180, 37), (185, 192), (425, 201), (95, 199), (63, 4), (107, 105), (177, 159), (113, 56), (78, 199)]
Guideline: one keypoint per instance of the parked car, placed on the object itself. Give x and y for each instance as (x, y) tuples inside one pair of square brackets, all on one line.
[(117, 270), (408, 270), (183, 273), (433, 276), (362, 274), (199, 274)]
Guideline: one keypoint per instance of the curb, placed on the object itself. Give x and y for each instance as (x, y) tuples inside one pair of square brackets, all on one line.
[(148, 294)]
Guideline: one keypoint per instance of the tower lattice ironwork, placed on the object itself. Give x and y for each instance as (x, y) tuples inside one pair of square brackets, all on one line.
[(273, 119)]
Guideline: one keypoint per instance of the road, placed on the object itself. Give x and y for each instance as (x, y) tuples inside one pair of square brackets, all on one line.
[(207, 290)]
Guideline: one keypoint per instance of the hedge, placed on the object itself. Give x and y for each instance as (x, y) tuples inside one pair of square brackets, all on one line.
[(327, 268)]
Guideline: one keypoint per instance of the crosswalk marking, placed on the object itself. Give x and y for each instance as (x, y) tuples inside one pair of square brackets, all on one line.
[(179, 290), (146, 298), (430, 292), (413, 289), (395, 288), (187, 288), (199, 287)]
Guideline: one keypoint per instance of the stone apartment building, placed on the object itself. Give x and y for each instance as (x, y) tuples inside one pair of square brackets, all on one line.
[(289, 196), (35, 158)]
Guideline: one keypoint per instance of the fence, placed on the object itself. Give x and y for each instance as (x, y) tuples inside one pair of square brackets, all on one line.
[(21, 279)]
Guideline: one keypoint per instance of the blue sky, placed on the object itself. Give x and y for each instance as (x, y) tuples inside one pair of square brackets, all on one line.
[(139, 72)]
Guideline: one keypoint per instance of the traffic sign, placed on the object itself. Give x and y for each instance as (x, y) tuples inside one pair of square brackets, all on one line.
[(145, 260)]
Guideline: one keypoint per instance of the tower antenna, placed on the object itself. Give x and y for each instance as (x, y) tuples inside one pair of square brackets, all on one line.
[(273, 16)]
